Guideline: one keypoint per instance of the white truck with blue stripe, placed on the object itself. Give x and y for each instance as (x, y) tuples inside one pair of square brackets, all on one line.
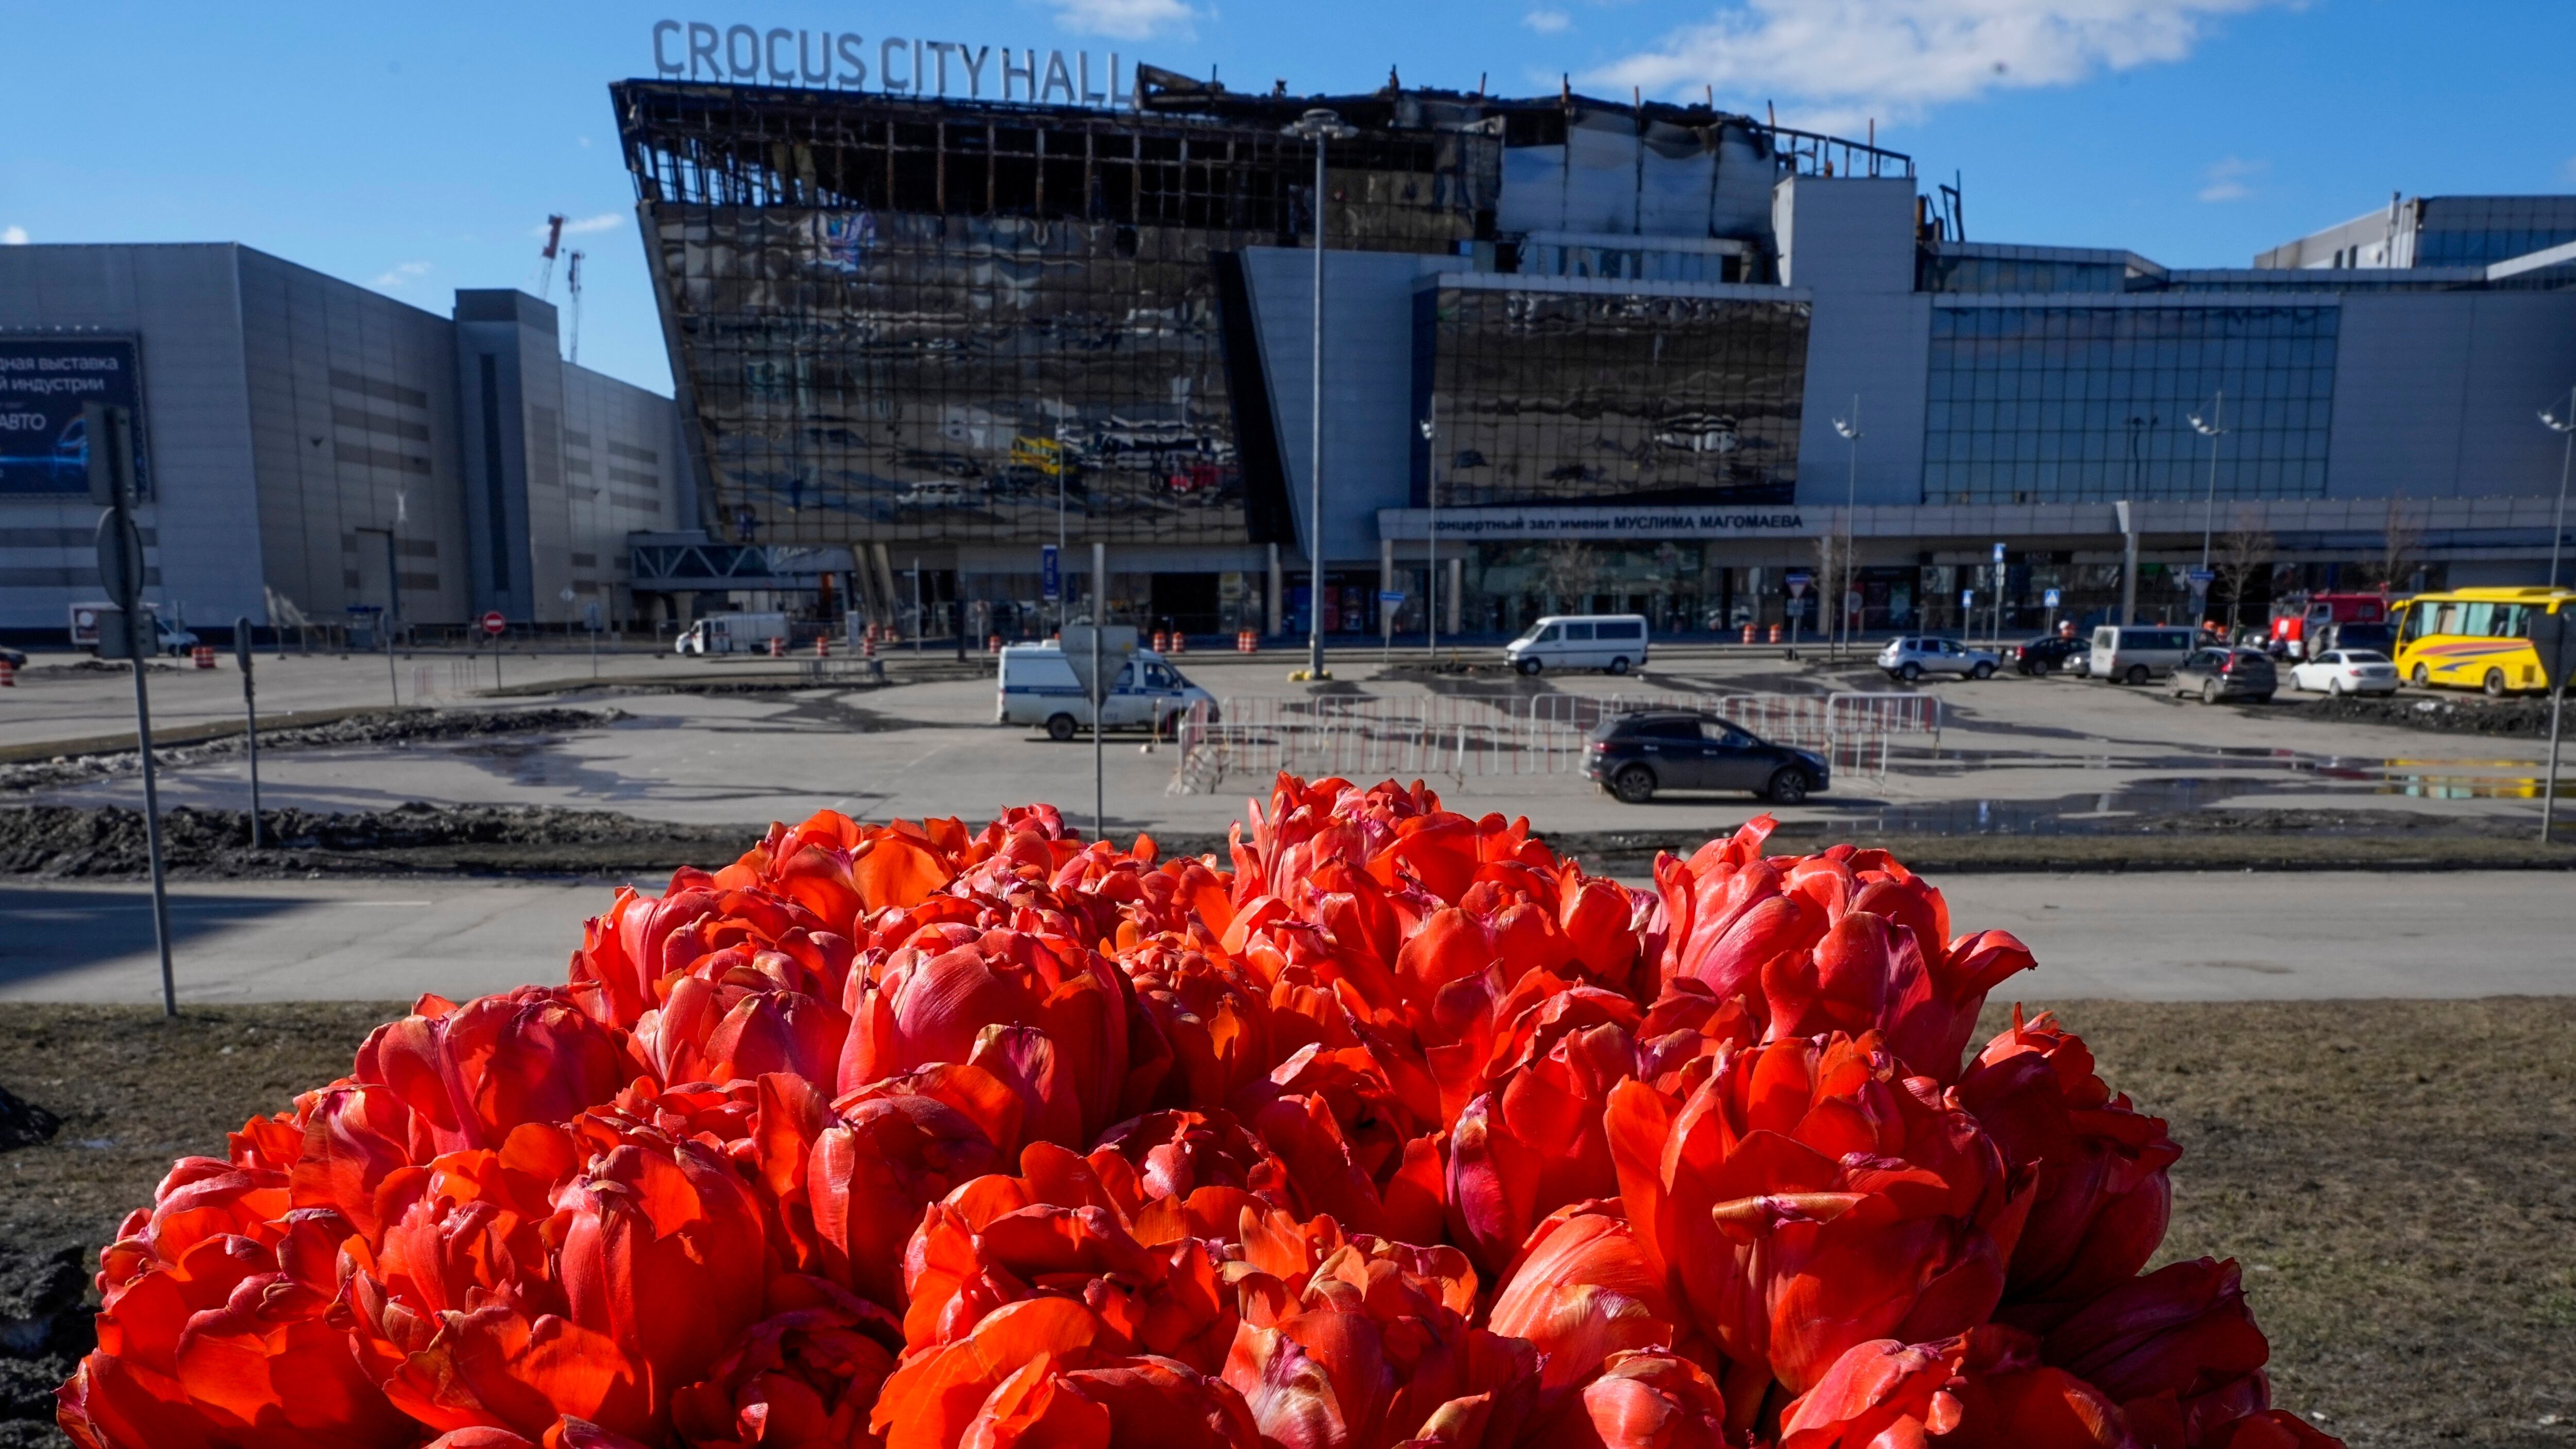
[(1042, 684)]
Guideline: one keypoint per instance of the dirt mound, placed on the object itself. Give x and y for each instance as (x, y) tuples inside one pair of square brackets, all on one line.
[(389, 727), (23, 1123), (2526, 717), (61, 841)]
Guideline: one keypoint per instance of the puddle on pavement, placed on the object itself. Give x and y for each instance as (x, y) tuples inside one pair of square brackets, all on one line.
[(2129, 807)]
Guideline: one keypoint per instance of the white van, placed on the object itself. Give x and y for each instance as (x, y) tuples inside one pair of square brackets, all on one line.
[(1040, 684), (2134, 653), (1615, 642), (731, 634)]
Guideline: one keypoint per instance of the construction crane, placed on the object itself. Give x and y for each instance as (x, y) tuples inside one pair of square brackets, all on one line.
[(572, 284), (554, 239)]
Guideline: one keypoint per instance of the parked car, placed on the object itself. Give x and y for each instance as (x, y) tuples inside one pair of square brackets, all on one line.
[(2048, 653), (2134, 653), (1634, 755), (2346, 671), (1615, 642), (1910, 657), (15, 658), (2223, 673)]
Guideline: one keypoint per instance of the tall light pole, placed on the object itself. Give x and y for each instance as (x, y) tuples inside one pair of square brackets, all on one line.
[(1850, 429), (1319, 126), (1431, 544), (2211, 430), (2565, 427)]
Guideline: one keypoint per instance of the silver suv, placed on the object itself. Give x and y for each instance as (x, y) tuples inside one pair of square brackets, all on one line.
[(1911, 657)]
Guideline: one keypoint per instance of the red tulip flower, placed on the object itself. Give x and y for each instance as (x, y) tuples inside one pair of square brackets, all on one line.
[(1403, 1131), (2103, 1195), (1808, 1198)]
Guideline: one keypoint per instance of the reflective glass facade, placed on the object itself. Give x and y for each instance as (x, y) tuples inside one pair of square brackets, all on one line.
[(1938, 271), (2462, 231), (1541, 396), (2089, 404), (899, 320)]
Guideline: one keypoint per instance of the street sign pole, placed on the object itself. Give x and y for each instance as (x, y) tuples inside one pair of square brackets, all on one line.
[(250, 719), (110, 430), (1099, 691), (2553, 637), (1999, 593)]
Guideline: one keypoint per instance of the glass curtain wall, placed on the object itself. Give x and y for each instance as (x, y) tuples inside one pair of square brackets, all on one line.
[(899, 320), (2039, 404), (1570, 397)]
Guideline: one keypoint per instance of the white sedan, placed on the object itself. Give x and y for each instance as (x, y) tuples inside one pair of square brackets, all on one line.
[(2346, 671)]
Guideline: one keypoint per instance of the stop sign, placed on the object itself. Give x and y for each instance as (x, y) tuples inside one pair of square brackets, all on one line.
[(493, 623)]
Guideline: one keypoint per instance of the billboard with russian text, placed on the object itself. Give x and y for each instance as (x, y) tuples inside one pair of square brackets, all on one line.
[(43, 383)]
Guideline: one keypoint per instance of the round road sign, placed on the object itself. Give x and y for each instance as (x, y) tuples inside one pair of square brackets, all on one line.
[(493, 623)]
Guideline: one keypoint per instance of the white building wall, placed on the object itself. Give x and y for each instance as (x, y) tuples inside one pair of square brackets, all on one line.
[(1849, 243)]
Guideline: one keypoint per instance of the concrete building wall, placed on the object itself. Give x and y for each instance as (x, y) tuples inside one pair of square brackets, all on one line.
[(1848, 242), (2437, 394), (353, 427), (1368, 382), (622, 473), (510, 410), (321, 440), (202, 541)]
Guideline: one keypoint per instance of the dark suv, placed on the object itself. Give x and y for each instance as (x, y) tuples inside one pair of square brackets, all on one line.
[(2216, 674), (1634, 755), (2049, 653)]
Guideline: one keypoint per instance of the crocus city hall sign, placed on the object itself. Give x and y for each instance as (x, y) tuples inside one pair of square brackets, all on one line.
[(843, 60)]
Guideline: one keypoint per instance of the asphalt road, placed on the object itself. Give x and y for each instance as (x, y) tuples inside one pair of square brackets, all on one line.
[(2155, 937)]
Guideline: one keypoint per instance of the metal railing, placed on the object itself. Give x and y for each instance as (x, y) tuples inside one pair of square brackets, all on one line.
[(1467, 737)]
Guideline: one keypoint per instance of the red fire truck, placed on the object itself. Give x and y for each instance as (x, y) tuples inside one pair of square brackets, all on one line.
[(2299, 620)]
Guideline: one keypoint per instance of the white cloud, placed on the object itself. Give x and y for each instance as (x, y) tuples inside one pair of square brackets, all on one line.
[(2228, 178), (15, 236), (400, 273), (1125, 19), (1837, 61), (583, 225), (1547, 22)]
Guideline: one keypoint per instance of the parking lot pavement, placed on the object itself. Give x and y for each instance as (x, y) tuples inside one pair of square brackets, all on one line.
[(2149, 937), (2013, 753)]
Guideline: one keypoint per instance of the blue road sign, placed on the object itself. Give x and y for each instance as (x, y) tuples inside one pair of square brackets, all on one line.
[(1050, 574)]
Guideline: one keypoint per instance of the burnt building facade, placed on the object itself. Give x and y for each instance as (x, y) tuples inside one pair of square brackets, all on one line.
[(1576, 354)]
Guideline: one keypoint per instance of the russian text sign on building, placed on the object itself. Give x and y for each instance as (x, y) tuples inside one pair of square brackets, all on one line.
[(896, 65), (1645, 522), (44, 444)]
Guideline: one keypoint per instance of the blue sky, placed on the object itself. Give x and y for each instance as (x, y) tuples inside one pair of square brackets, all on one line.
[(418, 148)]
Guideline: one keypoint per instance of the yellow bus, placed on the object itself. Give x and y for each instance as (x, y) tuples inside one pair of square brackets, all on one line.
[(2475, 638)]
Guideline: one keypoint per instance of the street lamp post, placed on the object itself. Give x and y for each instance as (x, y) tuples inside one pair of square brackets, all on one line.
[(2211, 430), (1063, 610), (1850, 429), (2565, 427), (1431, 545), (1319, 126)]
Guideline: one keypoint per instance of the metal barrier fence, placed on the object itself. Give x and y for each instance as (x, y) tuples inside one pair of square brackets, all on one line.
[(1465, 736)]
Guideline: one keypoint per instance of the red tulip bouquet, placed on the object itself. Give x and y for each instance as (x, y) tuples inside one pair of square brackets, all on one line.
[(1401, 1131)]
